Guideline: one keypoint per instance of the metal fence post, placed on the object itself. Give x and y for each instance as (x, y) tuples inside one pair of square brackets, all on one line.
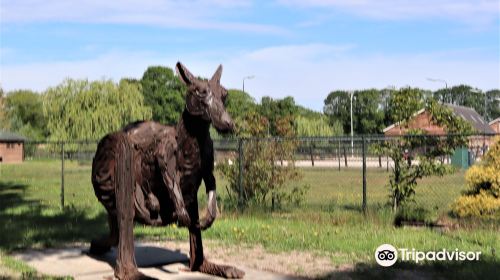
[(387, 159), (338, 153), (311, 153), (364, 173), (240, 175), (345, 156), (62, 175)]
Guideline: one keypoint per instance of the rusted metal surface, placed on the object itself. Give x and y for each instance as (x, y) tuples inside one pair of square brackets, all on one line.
[(151, 173)]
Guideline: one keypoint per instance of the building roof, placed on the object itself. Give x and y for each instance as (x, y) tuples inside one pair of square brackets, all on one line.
[(471, 116), (394, 124), (494, 121), (11, 137), (468, 114)]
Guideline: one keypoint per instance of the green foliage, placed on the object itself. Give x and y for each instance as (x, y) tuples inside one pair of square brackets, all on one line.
[(416, 146), (267, 167), (79, 109), (164, 93), (462, 95), (308, 113), (319, 126), (369, 118), (443, 116), (405, 173), (482, 196), (478, 205), (25, 114), (493, 104), (337, 108), (404, 103), (368, 106), (4, 123), (275, 109), (486, 104), (239, 104)]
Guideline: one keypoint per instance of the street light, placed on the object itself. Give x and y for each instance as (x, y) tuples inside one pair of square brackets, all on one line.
[(351, 93), (247, 78)]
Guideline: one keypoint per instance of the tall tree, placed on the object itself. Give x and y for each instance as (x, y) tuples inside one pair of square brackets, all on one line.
[(368, 110), (337, 108), (416, 146), (276, 109), (462, 95), (239, 104), (79, 109), (4, 124), (25, 114), (404, 103), (163, 92), (493, 104), (311, 127), (369, 118)]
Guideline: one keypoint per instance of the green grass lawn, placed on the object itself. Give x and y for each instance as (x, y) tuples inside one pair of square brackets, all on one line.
[(329, 223)]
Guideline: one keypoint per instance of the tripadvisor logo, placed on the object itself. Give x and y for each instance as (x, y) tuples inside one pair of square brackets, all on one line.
[(387, 255)]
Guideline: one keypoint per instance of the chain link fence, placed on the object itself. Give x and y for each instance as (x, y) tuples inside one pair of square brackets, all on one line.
[(345, 172)]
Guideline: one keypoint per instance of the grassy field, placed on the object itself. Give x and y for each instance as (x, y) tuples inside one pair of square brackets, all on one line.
[(330, 222)]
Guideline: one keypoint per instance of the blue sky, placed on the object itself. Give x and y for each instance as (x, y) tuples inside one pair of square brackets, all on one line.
[(300, 48)]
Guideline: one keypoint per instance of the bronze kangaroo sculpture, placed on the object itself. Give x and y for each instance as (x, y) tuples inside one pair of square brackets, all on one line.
[(151, 173)]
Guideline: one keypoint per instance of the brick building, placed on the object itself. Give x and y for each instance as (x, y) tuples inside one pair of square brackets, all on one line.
[(495, 125), (11, 147), (422, 119)]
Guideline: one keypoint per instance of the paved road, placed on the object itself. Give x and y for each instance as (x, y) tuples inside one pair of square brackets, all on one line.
[(152, 260)]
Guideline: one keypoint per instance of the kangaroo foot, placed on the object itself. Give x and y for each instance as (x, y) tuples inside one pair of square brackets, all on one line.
[(225, 271), (131, 274)]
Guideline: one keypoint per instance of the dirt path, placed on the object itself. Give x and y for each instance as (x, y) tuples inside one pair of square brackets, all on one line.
[(294, 263), (165, 260)]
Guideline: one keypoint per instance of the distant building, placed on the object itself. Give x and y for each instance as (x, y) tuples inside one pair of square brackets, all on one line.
[(11, 147), (495, 125), (422, 120)]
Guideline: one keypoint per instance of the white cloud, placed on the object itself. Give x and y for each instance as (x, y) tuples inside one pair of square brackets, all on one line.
[(477, 11), (39, 76), (198, 14), (300, 52), (300, 72), (306, 72)]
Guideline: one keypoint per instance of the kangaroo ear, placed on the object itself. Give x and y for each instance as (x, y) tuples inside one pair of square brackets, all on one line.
[(185, 75), (217, 75)]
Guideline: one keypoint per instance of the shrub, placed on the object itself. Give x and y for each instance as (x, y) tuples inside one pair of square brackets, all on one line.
[(483, 178), (420, 147), (482, 196), (480, 205), (267, 167)]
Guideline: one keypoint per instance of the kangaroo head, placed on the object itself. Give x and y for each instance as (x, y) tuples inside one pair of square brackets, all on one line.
[(206, 98)]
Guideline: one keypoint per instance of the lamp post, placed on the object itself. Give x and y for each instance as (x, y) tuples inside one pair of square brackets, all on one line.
[(351, 93), (247, 78), (440, 81)]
